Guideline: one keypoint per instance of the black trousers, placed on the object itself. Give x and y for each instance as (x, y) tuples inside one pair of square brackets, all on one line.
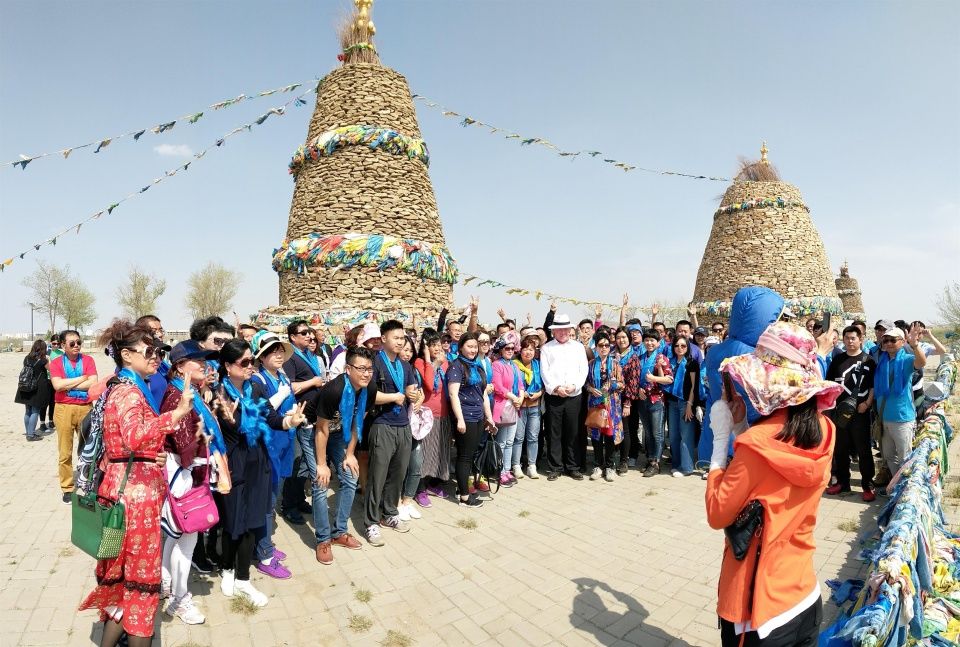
[(580, 445), (467, 444), (802, 631), (238, 553), (564, 414), (630, 447), (603, 452), (854, 437), (386, 471)]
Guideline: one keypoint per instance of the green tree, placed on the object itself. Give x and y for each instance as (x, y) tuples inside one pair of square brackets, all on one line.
[(949, 305), (139, 293), (211, 290), (47, 284), (78, 312)]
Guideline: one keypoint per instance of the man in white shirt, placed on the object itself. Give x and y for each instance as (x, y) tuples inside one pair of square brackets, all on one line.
[(563, 367)]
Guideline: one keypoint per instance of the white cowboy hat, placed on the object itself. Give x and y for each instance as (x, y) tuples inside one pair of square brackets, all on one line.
[(561, 321)]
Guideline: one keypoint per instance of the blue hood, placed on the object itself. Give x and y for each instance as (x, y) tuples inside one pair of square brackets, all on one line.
[(752, 311)]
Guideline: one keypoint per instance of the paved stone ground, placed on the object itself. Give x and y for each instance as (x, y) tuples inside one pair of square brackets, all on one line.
[(626, 563)]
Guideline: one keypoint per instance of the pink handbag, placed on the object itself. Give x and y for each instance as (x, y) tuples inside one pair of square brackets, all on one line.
[(195, 511)]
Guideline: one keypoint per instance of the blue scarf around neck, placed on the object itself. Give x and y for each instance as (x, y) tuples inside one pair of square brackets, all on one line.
[(535, 385), (210, 423), (648, 362), (679, 373), (454, 351), (883, 386), (473, 370), (273, 385), (253, 421), (311, 359), (395, 369), (71, 370), (515, 388), (140, 384), (625, 357), (353, 406)]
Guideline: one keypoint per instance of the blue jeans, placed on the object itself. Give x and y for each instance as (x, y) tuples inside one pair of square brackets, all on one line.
[(336, 450), (505, 434), (264, 534), (528, 428), (651, 415), (682, 433), (412, 480), (30, 417)]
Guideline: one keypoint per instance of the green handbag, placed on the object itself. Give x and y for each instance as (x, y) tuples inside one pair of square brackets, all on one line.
[(98, 530)]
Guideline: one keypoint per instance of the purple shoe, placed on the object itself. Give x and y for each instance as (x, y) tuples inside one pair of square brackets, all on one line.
[(435, 490), (422, 500), (279, 554), (274, 569)]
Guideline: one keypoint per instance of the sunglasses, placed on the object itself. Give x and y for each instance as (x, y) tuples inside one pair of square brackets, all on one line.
[(220, 341), (149, 352), (484, 341), (245, 363), (681, 346), (603, 345), (718, 330), (73, 344), (889, 340), (302, 332)]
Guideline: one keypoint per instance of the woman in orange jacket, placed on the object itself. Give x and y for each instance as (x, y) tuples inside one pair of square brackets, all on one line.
[(772, 597)]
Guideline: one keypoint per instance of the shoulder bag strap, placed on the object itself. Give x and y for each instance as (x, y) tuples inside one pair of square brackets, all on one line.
[(126, 475)]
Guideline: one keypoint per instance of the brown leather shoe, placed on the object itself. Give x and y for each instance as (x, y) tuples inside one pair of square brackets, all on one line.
[(347, 541), (325, 553)]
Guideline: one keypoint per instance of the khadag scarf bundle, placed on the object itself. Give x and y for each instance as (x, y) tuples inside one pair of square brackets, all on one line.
[(210, 422), (532, 381), (138, 382), (515, 388), (253, 422), (395, 369), (679, 373), (71, 371), (625, 357), (648, 363), (473, 375), (273, 385), (352, 408), (439, 378)]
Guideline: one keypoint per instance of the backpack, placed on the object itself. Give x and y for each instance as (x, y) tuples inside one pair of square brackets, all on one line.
[(88, 472), (488, 462), (29, 378)]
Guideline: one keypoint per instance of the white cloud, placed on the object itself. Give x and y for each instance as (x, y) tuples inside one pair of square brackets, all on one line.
[(174, 150)]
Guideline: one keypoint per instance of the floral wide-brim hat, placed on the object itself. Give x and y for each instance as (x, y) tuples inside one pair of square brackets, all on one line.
[(782, 371)]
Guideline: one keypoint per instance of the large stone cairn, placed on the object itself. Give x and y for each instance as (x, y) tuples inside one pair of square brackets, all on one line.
[(362, 190), (773, 245), (849, 290)]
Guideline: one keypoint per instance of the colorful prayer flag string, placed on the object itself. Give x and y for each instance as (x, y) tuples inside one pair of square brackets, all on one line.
[(327, 143), (526, 141), (341, 251), (760, 203), (167, 174), (467, 279), (801, 306), (160, 128)]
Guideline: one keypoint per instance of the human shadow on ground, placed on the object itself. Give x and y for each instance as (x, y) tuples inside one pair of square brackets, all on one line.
[(590, 613)]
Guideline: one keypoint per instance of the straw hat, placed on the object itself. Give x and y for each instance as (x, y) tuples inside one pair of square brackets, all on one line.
[(264, 340), (782, 371)]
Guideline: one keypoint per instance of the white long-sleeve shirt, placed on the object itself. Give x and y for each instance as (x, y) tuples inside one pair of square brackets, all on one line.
[(563, 365)]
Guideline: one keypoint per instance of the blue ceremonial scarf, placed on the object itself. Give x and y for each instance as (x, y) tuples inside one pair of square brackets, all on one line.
[(515, 389), (311, 359), (625, 358), (596, 379), (253, 422), (679, 373), (703, 380), (144, 389), (648, 362), (454, 351), (535, 385), (883, 388), (439, 378), (273, 385), (395, 368), (473, 376), (352, 402), (210, 422), (164, 368), (71, 371)]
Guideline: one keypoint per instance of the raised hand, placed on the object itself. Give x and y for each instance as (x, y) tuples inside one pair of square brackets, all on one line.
[(914, 334), (502, 314), (691, 309), (186, 398), (553, 306), (474, 304), (655, 309), (598, 311), (626, 300)]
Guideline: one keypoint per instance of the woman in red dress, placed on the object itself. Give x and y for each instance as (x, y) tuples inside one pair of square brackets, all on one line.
[(128, 586)]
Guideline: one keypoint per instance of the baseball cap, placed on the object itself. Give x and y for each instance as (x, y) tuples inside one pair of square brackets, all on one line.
[(190, 349)]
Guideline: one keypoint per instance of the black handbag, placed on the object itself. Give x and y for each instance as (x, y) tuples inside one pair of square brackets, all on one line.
[(749, 522), (489, 463)]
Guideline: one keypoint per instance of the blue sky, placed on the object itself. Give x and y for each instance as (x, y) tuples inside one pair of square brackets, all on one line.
[(858, 102)]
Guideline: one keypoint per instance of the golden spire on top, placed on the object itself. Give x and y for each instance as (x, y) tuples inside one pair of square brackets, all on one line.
[(364, 22), (763, 153)]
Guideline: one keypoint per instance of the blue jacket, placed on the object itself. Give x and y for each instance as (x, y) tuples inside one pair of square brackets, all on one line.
[(753, 309)]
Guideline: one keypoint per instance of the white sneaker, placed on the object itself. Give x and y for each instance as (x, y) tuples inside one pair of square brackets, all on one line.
[(413, 511), (227, 583), (373, 535), (517, 472), (186, 610), (403, 512), (244, 587), (608, 474), (532, 472), (677, 474), (595, 475)]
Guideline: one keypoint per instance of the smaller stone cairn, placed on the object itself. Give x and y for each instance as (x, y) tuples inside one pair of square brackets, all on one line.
[(848, 288)]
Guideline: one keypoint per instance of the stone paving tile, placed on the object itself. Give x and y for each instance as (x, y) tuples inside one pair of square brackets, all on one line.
[(626, 563)]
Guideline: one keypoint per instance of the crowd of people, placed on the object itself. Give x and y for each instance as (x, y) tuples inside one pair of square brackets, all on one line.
[(243, 421)]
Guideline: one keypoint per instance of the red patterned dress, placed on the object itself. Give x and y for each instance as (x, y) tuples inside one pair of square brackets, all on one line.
[(130, 583)]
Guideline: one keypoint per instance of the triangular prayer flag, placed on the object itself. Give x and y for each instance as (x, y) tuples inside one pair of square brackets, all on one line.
[(144, 189), (22, 255), (137, 135), (103, 144), (112, 207), (66, 152), (193, 119)]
